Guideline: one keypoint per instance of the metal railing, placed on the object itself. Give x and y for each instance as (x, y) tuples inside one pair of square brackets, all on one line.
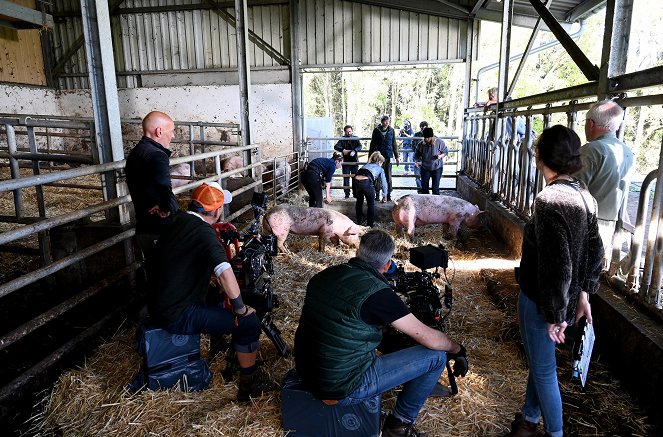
[(450, 169), (21, 228), (504, 166)]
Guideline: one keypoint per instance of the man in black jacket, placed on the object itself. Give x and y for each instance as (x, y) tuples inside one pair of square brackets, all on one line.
[(384, 141), (148, 179), (349, 149)]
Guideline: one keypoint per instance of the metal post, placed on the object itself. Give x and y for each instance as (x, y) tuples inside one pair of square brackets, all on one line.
[(651, 275), (244, 71), (505, 47), (14, 168), (105, 104), (523, 60), (296, 78)]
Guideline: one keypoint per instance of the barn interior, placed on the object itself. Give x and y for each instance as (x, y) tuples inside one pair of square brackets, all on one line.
[(76, 78)]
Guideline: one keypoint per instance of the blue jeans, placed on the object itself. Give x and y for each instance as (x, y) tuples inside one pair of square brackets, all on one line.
[(542, 395), (417, 368), (426, 176), (201, 318)]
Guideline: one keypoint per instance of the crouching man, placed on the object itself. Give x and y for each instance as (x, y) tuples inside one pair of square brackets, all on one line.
[(344, 311), (186, 255)]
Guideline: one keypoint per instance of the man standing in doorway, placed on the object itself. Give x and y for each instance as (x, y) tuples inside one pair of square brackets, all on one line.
[(383, 140), (349, 149), (148, 179), (607, 164)]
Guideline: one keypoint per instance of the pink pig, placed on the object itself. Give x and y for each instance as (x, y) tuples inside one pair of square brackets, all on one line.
[(424, 209), (327, 224)]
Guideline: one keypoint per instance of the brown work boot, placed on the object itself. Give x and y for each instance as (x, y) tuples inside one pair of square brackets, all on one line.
[(522, 428), (395, 428), (254, 385)]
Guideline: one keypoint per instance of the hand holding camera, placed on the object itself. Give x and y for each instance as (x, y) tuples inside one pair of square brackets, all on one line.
[(461, 365)]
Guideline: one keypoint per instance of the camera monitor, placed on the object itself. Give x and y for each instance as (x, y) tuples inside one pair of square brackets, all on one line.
[(428, 257)]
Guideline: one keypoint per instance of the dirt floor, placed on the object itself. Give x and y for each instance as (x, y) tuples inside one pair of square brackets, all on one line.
[(93, 400)]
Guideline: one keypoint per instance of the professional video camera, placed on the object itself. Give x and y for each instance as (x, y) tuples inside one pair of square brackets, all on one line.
[(253, 267), (423, 298)]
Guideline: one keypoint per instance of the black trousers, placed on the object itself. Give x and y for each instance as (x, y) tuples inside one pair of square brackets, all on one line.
[(348, 169), (387, 174), (364, 189), (312, 183)]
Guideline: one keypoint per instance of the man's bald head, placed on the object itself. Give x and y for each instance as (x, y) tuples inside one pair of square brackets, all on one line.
[(159, 127)]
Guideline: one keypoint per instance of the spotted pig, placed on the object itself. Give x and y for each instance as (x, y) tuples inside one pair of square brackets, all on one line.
[(327, 224), (424, 209)]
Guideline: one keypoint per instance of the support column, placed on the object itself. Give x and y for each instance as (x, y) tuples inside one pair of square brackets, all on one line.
[(296, 79), (615, 43), (105, 104), (244, 70)]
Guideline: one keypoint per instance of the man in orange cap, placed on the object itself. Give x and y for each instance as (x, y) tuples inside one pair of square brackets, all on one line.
[(186, 255)]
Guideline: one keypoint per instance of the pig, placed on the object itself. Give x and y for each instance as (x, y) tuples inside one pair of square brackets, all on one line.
[(180, 174), (278, 180), (233, 163), (424, 209), (327, 224)]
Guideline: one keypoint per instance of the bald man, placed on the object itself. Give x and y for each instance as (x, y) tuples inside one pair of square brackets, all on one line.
[(148, 178), (607, 165)]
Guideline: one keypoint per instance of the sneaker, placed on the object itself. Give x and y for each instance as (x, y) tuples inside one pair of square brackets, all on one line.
[(254, 385), (395, 428), (347, 195)]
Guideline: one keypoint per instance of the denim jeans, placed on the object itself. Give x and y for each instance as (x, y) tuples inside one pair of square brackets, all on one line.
[(201, 318), (542, 395), (426, 176), (417, 368)]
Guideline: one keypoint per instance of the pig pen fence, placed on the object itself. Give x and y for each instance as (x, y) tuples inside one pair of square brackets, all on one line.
[(504, 166), (316, 147), (67, 237)]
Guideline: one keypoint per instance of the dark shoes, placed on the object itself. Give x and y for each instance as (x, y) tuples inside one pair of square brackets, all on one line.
[(253, 386), (347, 195), (395, 428), (522, 428)]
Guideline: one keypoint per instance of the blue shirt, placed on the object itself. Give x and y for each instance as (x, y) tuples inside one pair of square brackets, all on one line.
[(324, 166), (378, 172)]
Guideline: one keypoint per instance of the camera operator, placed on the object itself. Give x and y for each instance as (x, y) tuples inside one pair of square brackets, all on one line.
[(186, 255), (344, 311)]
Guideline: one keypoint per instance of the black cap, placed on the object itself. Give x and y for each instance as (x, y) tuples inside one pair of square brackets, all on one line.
[(428, 132)]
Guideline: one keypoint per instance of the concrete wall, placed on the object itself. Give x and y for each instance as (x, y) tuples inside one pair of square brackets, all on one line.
[(271, 121)]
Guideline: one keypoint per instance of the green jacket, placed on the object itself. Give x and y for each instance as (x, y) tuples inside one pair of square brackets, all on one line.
[(333, 345)]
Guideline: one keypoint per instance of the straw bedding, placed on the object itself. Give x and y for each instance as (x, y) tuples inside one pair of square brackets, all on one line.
[(92, 400)]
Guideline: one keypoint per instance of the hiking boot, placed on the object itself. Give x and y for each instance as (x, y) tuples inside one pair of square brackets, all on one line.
[(395, 428), (253, 386), (522, 428)]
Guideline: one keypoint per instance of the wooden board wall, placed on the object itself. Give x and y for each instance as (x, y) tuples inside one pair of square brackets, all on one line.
[(21, 59)]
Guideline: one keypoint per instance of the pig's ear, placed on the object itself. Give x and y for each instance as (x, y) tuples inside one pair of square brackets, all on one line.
[(354, 230)]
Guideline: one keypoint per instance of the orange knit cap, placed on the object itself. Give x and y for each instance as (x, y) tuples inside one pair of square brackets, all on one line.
[(211, 196)]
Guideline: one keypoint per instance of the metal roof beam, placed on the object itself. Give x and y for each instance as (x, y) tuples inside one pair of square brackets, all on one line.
[(590, 70), (477, 6), (584, 10), (430, 7), (20, 17), (518, 19)]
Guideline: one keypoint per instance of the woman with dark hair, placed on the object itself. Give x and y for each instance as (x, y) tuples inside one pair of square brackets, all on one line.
[(560, 267), (318, 176)]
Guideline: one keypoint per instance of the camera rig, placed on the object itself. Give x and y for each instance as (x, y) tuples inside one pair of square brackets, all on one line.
[(253, 268), (422, 297)]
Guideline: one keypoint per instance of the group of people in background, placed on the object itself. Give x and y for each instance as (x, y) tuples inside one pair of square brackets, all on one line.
[(423, 152)]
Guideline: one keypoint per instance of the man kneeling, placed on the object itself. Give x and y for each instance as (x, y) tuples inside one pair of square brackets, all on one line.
[(344, 311), (187, 253)]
